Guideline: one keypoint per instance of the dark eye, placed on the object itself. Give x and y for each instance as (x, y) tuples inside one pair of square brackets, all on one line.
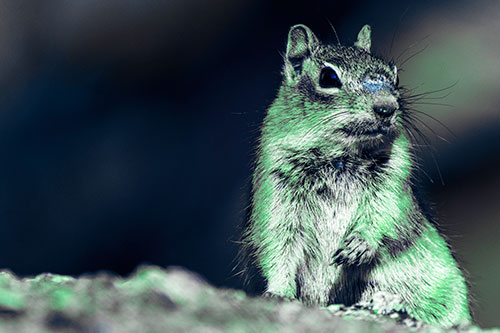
[(328, 78), (397, 81)]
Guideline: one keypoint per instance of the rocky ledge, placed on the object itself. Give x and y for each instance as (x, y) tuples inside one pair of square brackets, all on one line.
[(172, 300)]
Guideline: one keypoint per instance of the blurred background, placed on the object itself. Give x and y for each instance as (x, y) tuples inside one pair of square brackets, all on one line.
[(128, 128)]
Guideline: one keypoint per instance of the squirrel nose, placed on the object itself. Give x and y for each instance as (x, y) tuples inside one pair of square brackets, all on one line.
[(384, 111)]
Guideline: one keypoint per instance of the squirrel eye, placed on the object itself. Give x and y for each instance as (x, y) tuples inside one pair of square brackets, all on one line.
[(328, 78), (397, 81)]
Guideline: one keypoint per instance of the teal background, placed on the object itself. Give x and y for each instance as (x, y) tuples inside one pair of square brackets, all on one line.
[(127, 128)]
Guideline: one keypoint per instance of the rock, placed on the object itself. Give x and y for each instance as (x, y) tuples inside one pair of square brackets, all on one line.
[(172, 300)]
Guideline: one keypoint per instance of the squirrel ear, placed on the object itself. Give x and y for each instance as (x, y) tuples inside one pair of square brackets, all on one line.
[(364, 38), (301, 43)]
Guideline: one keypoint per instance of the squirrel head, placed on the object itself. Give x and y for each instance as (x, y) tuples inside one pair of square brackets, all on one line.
[(335, 92)]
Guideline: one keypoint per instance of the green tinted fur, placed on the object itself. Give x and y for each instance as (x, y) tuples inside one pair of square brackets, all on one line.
[(334, 217)]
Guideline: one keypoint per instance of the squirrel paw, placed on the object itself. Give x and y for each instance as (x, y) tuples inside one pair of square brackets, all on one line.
[(354, 251), (268, 294), (386, 303)]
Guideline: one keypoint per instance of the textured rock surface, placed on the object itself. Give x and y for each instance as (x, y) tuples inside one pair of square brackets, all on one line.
[(170, 300)]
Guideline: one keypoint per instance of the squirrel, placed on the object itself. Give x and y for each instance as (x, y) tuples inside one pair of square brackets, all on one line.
[(334, 215)]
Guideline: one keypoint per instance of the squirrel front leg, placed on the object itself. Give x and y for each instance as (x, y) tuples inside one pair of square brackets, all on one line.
[(377, 221), (279, 267), (277, 235)]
